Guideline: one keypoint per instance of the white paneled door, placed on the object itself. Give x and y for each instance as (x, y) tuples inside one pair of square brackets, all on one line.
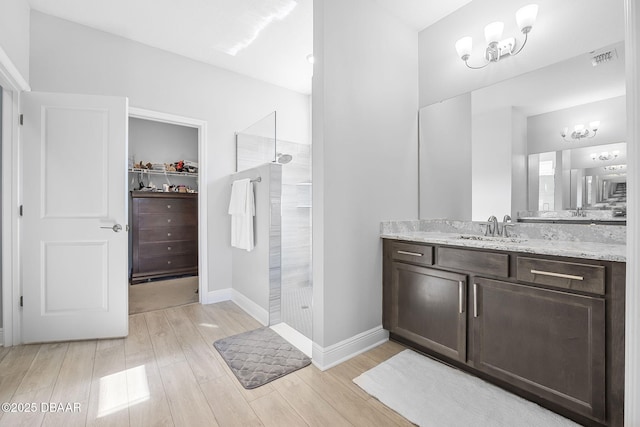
[(74, 224)]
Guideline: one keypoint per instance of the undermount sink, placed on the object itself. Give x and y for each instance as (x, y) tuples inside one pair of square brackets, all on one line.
[(497, 239)]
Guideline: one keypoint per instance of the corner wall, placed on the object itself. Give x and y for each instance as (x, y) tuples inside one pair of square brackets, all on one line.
[(365, 166)]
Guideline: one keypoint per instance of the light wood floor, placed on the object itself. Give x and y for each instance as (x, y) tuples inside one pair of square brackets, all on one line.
[(167, 373), (161, 294)]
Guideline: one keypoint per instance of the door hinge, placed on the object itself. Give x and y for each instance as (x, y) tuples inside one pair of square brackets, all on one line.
[(21, 119), (20, 210), (21, 302)]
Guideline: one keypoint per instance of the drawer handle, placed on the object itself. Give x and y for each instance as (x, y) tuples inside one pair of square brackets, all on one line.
[(460, 296), (168, 262), (168, 248), (475, 300), (409, 253), (168, 234), (552, 274), (168, 206), (169, 220)]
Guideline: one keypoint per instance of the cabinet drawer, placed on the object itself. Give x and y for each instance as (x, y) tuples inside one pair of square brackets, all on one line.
[(476, 261), (409, 252), (167, 219), (169, 262), (162, 234), (167, 205), (560, 274), (150, 250)]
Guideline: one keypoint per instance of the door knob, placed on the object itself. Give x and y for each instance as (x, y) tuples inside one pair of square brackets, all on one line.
[(116, 228)]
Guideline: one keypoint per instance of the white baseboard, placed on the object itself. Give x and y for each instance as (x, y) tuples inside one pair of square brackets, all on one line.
[(325, 358), (213, 297), (253, 309), (229, 294), (294, 337)]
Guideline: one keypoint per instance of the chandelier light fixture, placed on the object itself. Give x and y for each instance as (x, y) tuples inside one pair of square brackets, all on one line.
[(605, 155), (580, 131), (497, 48)]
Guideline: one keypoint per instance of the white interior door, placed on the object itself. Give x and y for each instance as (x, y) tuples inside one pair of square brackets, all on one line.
[(74, 225)]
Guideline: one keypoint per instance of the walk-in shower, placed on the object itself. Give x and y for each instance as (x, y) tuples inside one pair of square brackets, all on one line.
[(258, 145)]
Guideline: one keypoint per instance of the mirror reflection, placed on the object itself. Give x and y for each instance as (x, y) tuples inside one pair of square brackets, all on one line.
[(552, 140)]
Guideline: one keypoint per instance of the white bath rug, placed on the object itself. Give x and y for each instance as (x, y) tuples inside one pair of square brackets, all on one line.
[(430, 393)]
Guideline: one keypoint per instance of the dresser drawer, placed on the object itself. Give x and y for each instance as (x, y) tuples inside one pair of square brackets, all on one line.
[(560, 274), (162, 234), (167, 219), (166, 205), (495, 264), (150, 250), (168, 262), (413, 253)]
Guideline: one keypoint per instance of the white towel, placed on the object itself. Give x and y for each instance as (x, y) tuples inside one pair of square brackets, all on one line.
[(242, 210)]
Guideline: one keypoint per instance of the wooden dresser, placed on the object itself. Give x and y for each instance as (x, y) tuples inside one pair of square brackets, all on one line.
[(164, 235)]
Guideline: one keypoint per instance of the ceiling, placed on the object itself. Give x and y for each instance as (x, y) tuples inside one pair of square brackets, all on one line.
[(212, 31)]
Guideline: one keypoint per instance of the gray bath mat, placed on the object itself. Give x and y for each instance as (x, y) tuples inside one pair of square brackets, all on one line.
[(260, 356)]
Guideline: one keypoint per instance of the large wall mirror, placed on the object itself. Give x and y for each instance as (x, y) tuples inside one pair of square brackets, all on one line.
[(500, 150)]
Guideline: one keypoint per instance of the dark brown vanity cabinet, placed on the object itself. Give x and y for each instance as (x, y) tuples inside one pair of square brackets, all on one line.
[(548, 328), (433, 308), (544, 341)]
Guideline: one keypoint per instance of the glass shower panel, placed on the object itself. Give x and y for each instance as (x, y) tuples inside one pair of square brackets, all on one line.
[(256, 145)]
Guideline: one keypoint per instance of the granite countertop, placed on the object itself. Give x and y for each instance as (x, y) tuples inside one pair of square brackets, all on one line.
[(549, 244), (574, 220)]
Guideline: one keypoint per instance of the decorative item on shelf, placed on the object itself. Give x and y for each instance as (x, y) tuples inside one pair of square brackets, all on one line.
[(496, 48), (580, 131), (605, 155)]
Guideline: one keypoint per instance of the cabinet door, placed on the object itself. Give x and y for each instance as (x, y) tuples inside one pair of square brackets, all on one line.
[(428, 307), (550, 343)]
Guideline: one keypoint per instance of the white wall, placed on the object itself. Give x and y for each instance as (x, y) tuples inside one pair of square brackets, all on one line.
[(491, 165), (564, 29), (14, 33), (364, 161), (66, 57), (544, 129), (499, 169), (445, 159)]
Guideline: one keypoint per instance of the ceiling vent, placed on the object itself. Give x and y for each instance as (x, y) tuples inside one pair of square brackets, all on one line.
[(602, 56)]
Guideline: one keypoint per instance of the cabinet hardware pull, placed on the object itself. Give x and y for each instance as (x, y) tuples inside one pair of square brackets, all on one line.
[(409, 253), (169, 220), (460, 296), (552, 274), (168, 248), (168, 234), (168, 206), (168, 262), (475, 300)]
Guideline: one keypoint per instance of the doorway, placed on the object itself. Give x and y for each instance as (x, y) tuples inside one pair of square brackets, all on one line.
[(166, 211)]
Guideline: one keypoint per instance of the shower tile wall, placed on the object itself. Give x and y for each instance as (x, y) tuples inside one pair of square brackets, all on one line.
[(296, 223)]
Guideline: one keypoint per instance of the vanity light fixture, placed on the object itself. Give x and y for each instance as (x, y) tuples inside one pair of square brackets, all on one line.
[(615, 167), (605, 155), (496, 48), (580, 131)]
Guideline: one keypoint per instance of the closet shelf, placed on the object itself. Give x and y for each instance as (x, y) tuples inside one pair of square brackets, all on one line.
[(157, 172)]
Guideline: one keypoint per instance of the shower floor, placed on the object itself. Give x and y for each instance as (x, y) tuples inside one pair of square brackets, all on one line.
[(296, 308)]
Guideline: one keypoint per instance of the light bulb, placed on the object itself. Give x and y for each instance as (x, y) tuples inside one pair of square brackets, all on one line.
[(526, 17), (564, 132), (493, 32), (615, 152), (463, 47), (578, 128), (594, 124), (593, 156)]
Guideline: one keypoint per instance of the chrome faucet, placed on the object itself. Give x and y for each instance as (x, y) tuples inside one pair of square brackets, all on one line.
[(506, 222), (492, 226)]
